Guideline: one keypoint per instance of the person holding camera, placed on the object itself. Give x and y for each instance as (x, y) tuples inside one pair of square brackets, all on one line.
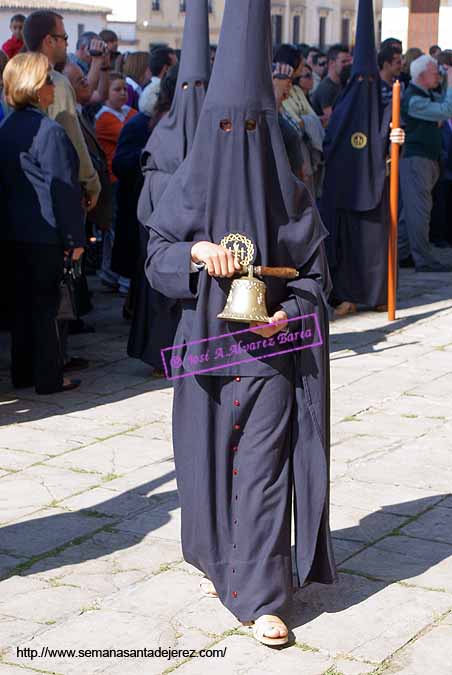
[(43, 221), (422, 113), (93, 57)]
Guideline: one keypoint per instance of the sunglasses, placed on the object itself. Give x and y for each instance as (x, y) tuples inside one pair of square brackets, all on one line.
[(321, 63), (56, 36)]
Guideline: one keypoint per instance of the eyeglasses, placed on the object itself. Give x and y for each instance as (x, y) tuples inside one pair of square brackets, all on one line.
[(307, 76), (321, 63), (56, 36)]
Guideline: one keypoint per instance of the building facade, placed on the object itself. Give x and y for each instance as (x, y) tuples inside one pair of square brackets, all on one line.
[(77, 17), (315, 22), (127, 34)]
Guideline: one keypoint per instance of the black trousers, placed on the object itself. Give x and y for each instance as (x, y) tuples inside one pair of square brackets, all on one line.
[(36, 357), (441, 220)]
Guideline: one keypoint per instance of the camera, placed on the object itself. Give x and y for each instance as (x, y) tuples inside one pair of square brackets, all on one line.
[(96, 52)]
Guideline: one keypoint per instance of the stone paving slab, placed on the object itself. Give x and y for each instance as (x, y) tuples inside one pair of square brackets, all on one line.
[(368, 620), (431, 653), (358, 525), (244, 655), (434, 525), (403, 500), (13, 670), (416, 561), (46, 530), (90, 527)]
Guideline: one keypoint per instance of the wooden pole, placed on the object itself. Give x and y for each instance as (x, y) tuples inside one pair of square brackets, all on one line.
[(394, 207)]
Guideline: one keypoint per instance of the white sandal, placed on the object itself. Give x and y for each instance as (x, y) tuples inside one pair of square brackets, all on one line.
[(208, 589), (267, 623)]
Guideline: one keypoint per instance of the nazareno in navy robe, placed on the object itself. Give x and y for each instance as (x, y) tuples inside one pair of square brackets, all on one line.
[(354, 204), (156, 317), (247, 436)]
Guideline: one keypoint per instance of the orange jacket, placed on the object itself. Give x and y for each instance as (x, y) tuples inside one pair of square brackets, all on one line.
[(109, 124)]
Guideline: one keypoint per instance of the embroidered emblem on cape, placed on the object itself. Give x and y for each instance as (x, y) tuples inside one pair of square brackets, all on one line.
[(359, 140)]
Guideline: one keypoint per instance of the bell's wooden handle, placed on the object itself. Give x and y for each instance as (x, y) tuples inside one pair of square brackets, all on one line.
[(278, 272)]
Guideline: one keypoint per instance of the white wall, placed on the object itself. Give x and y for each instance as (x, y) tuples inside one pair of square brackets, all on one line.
[(94, 22), (445, 25), (395, 17)]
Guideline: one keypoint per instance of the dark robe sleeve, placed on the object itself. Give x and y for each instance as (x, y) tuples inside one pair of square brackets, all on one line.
[(168, 268)]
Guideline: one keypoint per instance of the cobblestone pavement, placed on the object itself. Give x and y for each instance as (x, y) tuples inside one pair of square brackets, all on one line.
[(89, 521)]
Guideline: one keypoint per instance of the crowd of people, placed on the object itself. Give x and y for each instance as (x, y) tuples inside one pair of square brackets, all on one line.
[(75, 132)]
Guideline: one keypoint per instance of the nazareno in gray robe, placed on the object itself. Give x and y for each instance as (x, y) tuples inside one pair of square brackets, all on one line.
[(156, 317), (245, 435)]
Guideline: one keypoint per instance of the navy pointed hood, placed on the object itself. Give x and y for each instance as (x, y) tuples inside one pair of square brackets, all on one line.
[(364, 54), (173, 137)]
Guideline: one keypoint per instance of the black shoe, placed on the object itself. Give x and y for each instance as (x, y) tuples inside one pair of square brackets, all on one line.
[(434, 268), (442, 243), (406, 262), (70, 386), (79, 327), (76, 363), (23, 385)]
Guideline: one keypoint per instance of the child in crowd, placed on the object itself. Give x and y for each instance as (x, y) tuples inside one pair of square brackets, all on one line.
[(110, 120), (15, 43)]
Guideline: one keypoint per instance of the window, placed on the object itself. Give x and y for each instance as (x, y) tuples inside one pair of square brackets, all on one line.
[(345, 32), (277, 29), (210, 6), (322, 32), (80, 29), (296, 29), (182, 5), (156, 5)]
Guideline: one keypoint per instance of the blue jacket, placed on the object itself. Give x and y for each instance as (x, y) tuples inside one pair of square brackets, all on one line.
[(40, 196)]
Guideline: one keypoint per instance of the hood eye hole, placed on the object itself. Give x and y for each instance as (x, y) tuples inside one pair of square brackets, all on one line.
[(185, 86), (198, 83), (226, 125), (250, 125)]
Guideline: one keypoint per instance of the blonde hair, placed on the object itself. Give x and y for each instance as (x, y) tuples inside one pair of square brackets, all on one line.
[(134, 65), (23, 77)]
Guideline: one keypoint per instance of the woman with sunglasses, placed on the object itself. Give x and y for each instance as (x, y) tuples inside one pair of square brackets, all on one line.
[(306, 81), (43, 220)]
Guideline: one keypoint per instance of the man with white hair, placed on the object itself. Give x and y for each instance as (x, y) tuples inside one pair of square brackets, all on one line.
[(422, 112)]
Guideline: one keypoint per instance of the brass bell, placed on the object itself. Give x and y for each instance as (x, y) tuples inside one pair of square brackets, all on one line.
[(246, 300)]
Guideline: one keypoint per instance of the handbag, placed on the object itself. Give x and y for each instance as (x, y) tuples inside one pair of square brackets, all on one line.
[(67, 310)]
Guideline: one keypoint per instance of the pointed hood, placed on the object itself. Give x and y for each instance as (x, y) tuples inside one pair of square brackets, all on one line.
[(237, 178), (195, 57), (365, 54), (242, 69), (173, 137)]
